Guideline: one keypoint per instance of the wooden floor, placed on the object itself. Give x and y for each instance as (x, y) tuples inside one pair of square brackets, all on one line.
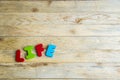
[(86, 33)]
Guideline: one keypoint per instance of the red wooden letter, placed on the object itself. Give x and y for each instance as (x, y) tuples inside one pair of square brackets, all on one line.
[(18, 59), (39, 49)]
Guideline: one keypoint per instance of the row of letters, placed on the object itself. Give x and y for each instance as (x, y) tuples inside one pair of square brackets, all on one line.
[(38, 48)]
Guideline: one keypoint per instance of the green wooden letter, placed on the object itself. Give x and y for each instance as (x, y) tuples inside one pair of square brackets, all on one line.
[(29, 49)]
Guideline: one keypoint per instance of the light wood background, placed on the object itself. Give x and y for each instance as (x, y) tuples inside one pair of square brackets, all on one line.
[(86, 32)]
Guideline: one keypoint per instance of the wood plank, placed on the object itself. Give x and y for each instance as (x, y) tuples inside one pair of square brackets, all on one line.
[(60, 79), (17, 19), (52, 79), (75, 49), (60, 30), (57, 79), (53, 6), (63, 70)]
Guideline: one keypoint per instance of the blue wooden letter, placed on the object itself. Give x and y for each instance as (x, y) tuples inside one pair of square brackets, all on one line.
[(50, 50)]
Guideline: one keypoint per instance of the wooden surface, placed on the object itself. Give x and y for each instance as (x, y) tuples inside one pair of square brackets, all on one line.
[(86, 33)]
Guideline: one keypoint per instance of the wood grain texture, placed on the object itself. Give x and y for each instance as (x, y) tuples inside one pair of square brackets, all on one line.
[(60, 79), (17, 19), (66, 70), (86, 32), (52, 6), (53, 79), (60, 30), (82, 49)]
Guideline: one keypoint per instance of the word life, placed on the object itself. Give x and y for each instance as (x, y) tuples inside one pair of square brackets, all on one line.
[(38, 48)]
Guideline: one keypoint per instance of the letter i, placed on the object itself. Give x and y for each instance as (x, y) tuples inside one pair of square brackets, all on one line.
[(30, 54)]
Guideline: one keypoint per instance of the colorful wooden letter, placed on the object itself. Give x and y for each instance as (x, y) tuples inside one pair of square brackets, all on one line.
[(17, 57), (50, 50), (29, 49), (39, 49)]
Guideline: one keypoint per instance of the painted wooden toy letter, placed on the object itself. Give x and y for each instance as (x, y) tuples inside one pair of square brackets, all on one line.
[(18, 58), (29, 49), (50, 50), (39, 49)]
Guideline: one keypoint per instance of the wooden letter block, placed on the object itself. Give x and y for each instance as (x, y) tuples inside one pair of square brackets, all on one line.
[(29, 49), (50, 50), (39, 49), (17, 57)]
